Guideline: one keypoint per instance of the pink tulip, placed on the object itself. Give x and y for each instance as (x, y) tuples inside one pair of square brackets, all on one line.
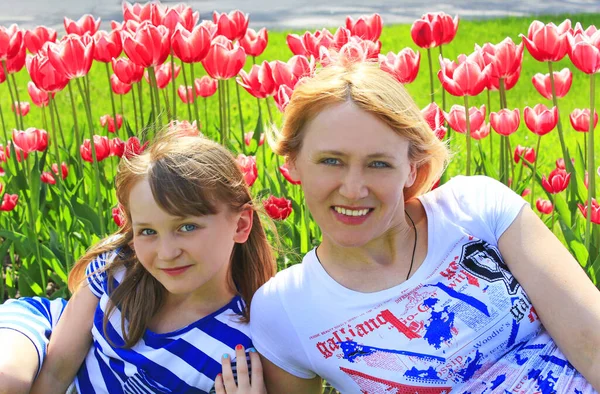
[(117, 86), (482, 132), (34, 39), (224, 60), (404, 66), (31, 139), (457, 118), (365, 27), (205, 86), (186, 94), (107, 45), (544, 206), (102, 145), (434, 29), (127, 71), (282, 97), (580, 119), (547, 43), (73, 56), (48, 178), (505, 60), (285, 171), (180, 14), (468, 77), (505, 122), (63, 169), (21, 108), (248, 138), (232, 25), (44, 75), (11, 40), (314, 42), (584, 49), (248, 166), (557, 181), (191, 47), (259, 82), (296, 45), (38, 97), (255, 43), (149, 46), (540, 120), (527, 153), (85, 24), (109, 122), (562, 83), (163, 75)]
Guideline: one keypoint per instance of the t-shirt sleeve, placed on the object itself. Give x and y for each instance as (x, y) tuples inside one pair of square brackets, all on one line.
[(95, 273), (273, 334), (492, 205)]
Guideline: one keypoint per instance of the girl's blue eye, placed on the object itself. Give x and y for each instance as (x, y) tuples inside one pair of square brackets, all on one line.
[(188, 227), (330, 161), (147, 231), (380, 164)]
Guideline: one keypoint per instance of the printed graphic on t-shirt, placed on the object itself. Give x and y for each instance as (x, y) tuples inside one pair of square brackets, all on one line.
[(469, 326)]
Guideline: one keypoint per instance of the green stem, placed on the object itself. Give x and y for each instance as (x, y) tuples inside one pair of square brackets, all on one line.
[(112, 98), (559, 124), (192, 73), (12, 97), (95, 164), (154, 90), (205, 114), (78, 139), (221, 113), (135, 116), (237, 90), (468, 121), (141, 107), (537, 150), (489, 109), (20, 116), (269, 110), (173, 87), (444, 91), (228, 109), (189, 104), (591, 172), (62, 135), (430, 75)]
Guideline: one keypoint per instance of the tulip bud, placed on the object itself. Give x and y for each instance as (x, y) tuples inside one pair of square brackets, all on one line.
[(544, 206), (557, 181), (286, 174), (248, 166), (48, 178), (595, 210), (9, 202), (580, 119)]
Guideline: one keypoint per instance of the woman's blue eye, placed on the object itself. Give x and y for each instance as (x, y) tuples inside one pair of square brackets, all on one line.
[(188, 227), (147, 231), (330, 161), (380, 164)]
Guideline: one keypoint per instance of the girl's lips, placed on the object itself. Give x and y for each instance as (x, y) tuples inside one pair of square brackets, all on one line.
[(351, 220), (175, 271)]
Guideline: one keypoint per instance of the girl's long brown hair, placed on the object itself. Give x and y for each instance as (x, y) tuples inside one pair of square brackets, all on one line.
[(189, 176)]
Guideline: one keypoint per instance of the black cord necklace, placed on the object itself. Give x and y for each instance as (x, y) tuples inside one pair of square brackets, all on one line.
[(412, 260)]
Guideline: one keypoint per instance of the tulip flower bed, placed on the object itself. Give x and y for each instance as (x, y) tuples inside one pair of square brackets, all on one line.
[(73, 104)]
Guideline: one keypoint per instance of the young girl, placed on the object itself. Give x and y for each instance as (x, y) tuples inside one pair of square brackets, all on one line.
[(158, 305)]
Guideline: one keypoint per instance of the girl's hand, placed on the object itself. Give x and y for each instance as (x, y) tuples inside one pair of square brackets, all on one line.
[(247, 383)]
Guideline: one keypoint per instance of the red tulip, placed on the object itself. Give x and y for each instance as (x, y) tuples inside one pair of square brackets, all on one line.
[(63, 167), (481, 132), (191, 47), (133, 147), (301, 66), (151, 12), (21, 108), (248, 166), (314, 42), (20, 153), (434, 116), (557, 181), (282, 97), (38, 97), (341, 37), (248, 138), (278, 208), (107, 46), (527, 153), (291, 72), (365, 27), (255, 43), (117, 86), (149, 46), (525, 192), (468, 77), (17, 62), (259, 82), (47, 177), (540, 120), (547, 43), (118, 216), (205, 86), (232, 25), (285, 171), (584, 49), (457, 118), (163, 74), (224, 61), (109, 122), (180, 14), (85, 24), (544, 206), (434, 29), (562, 83), (404, 66), (73, 56), (34, 39), (117, 147), (9, 202), (185, 128), (560, 163), (127, 71), (505, 59), (296, 45), (186, 94), (505, 122), (595, 210), (102, 149), (11, 40), (580, 119), (31, 139)]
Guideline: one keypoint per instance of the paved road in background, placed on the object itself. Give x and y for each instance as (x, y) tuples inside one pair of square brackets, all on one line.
[(291, 14)]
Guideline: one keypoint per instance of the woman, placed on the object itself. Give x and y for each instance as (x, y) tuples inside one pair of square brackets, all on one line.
[(462, 288)]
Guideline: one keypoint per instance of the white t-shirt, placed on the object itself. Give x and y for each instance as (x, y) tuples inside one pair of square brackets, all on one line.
[(462, 322)]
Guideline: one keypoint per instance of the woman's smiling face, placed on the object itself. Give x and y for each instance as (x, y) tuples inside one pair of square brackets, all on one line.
[(353, 168)]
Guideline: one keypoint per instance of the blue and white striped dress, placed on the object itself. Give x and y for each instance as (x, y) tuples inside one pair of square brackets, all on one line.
[(184, 361)]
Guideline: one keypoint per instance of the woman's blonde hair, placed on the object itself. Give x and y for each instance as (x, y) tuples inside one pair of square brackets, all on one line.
[(189, 175), (375, 91)]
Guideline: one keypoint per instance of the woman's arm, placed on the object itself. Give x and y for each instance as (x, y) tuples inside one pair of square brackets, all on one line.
[(279, 381), (566, 301), (69, 344)]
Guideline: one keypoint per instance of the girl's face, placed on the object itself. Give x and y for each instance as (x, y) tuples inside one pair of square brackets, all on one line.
[(353, 169), (188, 255)]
